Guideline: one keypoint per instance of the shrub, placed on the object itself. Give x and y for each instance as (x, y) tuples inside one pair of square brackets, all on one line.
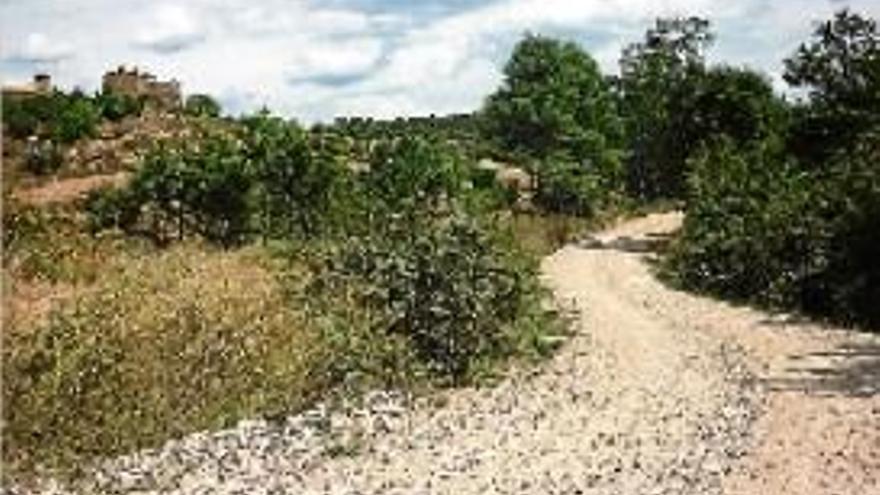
[(745, 233), (579, 189), (77, 119), (111, 207), (847, 196), (201, 105), (760, 229), (451, 288), (299, 190), (205, 187), (115, 107), (413, 172), (20, 121)]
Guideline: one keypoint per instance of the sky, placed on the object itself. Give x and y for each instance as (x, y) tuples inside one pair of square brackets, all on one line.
[(314, 60)]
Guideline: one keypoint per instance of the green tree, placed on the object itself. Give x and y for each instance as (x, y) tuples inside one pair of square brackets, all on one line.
[(556, 109), (115, 107), (657, 76), (553, 98), (77, 119), (19, 120), (840, 69), (298, 188), (413, 172), (202, 105)]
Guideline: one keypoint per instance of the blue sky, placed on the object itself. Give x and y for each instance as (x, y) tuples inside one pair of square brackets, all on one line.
[(315, 59)]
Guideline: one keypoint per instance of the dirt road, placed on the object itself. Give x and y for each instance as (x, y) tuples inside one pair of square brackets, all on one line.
[(658, 392)]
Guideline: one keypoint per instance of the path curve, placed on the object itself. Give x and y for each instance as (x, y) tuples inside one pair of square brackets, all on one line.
[(657, 392)]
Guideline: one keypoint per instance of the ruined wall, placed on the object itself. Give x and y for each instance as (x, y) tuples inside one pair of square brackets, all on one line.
[(131, 82)]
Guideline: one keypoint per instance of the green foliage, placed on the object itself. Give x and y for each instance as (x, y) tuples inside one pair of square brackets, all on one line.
[(201, 105), (413, 172), (64, 118), (111, 207), (840, 68), (759, 228), (792, 226), (573, 189), (19, 118), (847, 198), (734, 102), (204, 188), (553, 99), (449, 287), (744, 232), (555, 108), (77, 119), (299, 189), (658, 77), (115, 107)]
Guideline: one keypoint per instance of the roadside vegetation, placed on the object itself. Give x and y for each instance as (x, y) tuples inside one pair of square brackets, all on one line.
[(789, 217), (257, 266)]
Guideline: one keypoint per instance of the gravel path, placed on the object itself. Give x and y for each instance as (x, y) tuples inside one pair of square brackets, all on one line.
[(657, 392)]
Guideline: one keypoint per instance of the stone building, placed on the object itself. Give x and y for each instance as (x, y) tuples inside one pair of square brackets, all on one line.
[(41, 85), (131, 82)]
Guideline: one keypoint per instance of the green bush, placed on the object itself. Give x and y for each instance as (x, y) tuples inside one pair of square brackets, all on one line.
[(413, 172), (847, 195), (449, 286), (78, 119), (300, 190), (201, 105), (20, 121), (111, 207), (115, 107), (760, 229), (204, 188), (745, 231), (61, 117)]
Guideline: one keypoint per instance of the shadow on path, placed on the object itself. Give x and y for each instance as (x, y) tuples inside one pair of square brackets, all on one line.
[(651, 243), (849, 370)]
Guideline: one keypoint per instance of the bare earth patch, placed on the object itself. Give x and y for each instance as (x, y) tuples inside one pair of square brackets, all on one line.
[(68, 190), (657, 392)]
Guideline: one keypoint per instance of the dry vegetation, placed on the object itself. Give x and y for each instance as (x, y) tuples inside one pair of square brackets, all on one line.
[(161, 344)]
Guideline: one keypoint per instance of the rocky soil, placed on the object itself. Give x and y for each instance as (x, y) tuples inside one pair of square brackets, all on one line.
[(657, 392)]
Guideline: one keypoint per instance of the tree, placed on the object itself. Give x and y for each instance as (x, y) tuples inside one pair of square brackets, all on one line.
[(115, 107), (201, 105), (556, 109), (840, 69), (19, 120), (734, 102), (297, 188), (553, 98), (413, 172), (79, 118), (657, 76)]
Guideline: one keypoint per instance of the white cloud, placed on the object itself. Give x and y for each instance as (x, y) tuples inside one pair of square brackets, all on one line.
[(333, 59), (38, 48), (172, 28), (316, 59)]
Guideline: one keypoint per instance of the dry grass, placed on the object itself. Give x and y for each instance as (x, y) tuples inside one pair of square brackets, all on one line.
[(185, 340), (542, 234)]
